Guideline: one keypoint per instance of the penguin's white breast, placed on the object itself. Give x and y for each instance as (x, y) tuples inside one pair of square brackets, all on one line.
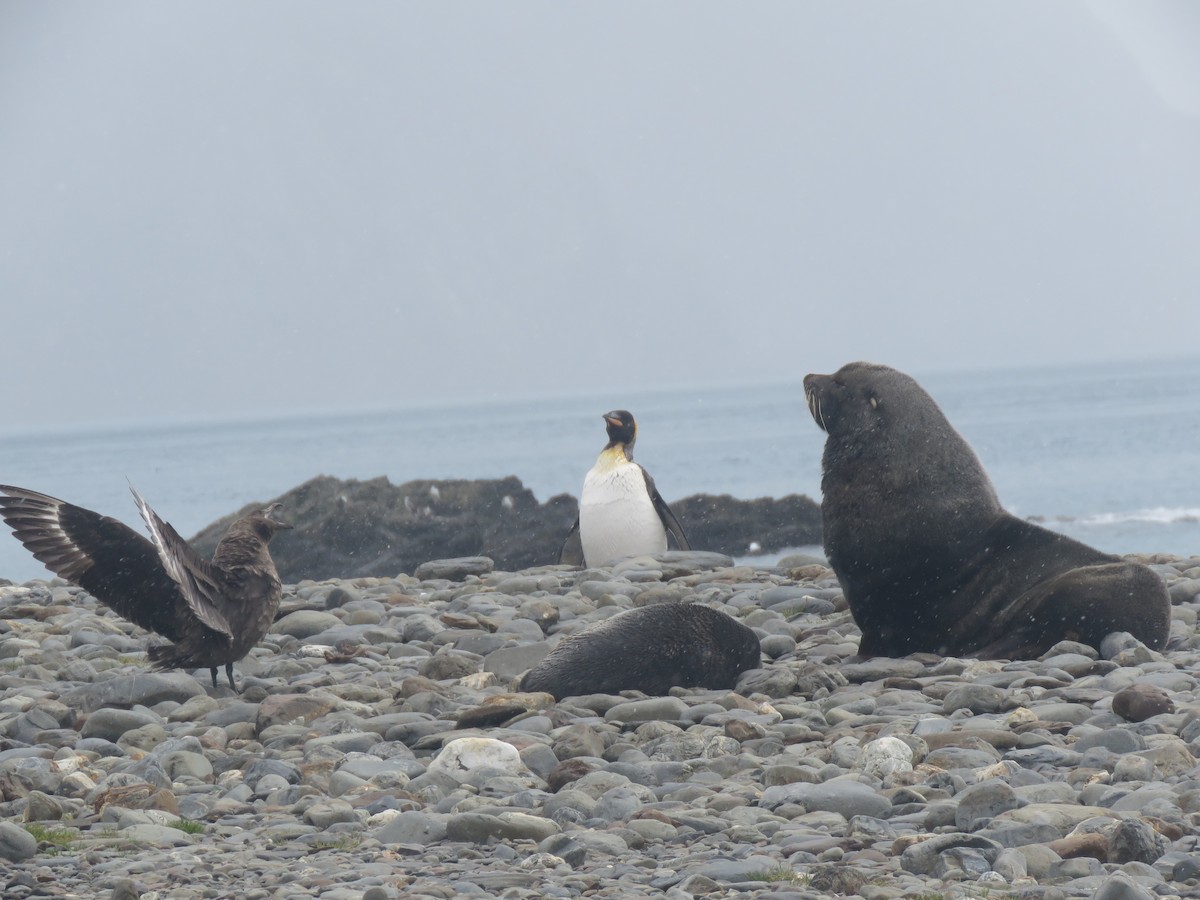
[(616, 516)]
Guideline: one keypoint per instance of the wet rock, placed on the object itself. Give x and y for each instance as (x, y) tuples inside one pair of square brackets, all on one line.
[(16, 844), (304, 623), (1134, 841), (1114, 740), (509, 662), (922, 858), (345, 528), (110, 724), (578, 740), (565, 848), (847, 798), (675, 563), (881, 668), (509, 826), (1090, 844), (1139, 702), (730, 526), (291, 709), (455, 569), (654, 709), (978, 698), (40, 807), (771, 682), (961, 864), (412, 828), (126, 691), (980, 803), (885, 756), (460, 758), (1120, 888)]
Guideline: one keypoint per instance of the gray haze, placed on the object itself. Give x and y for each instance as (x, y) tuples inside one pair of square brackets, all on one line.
[(360, 205)]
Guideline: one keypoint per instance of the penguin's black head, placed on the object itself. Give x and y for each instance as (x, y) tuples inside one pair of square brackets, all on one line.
[(622, 429)]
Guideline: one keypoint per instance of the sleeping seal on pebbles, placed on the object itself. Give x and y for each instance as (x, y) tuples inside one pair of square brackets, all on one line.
[(650, 649)]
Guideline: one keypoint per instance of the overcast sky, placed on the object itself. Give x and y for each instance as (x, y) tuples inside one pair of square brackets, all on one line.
[(358, 205)]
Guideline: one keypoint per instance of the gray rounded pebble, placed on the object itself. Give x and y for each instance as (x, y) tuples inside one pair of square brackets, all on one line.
[(455, 569), (16, 844), (1115, 740), (847, 798), (923, 858), (1119, 887), (980, 803), (412, 828), (110, 724), (978, 698), (668, 709), (511, 826), (304, 623)]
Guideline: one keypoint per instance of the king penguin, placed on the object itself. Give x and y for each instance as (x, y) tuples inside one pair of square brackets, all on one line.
[(621, 512)]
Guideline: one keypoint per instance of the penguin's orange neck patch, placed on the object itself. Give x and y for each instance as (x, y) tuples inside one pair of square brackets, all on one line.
[(612, 457)]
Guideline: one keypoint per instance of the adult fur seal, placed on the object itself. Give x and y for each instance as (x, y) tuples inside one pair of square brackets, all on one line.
[(214, 613), (650, 649), (927, 557)]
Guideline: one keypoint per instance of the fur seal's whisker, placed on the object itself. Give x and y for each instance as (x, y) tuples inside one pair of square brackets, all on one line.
[(814, 406)]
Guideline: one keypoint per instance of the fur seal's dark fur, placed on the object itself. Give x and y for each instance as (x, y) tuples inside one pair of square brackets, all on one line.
[(650, 649), (213, 612), (927, 557)]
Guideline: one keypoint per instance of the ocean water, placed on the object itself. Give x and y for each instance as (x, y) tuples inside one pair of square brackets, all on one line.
[(1109, 454)]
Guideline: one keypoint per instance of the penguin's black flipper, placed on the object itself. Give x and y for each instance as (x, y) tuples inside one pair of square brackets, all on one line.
[(571, 552), (670, 523)]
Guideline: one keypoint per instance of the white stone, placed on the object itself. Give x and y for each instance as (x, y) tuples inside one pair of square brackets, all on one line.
[(77, 784), (461, 757), (382, 817), (69, 764), (477, 681), (885, 756)]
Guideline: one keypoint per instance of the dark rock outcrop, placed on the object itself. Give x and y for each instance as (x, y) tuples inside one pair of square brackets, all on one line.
[(345, 529), (724, 524)]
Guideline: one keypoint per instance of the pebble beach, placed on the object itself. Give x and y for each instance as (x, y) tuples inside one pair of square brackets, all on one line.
[(379, 749)]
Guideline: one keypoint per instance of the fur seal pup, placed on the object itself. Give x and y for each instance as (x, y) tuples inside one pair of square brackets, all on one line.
[(649, 649), (928, 558), (621, 512), (213, 612)]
